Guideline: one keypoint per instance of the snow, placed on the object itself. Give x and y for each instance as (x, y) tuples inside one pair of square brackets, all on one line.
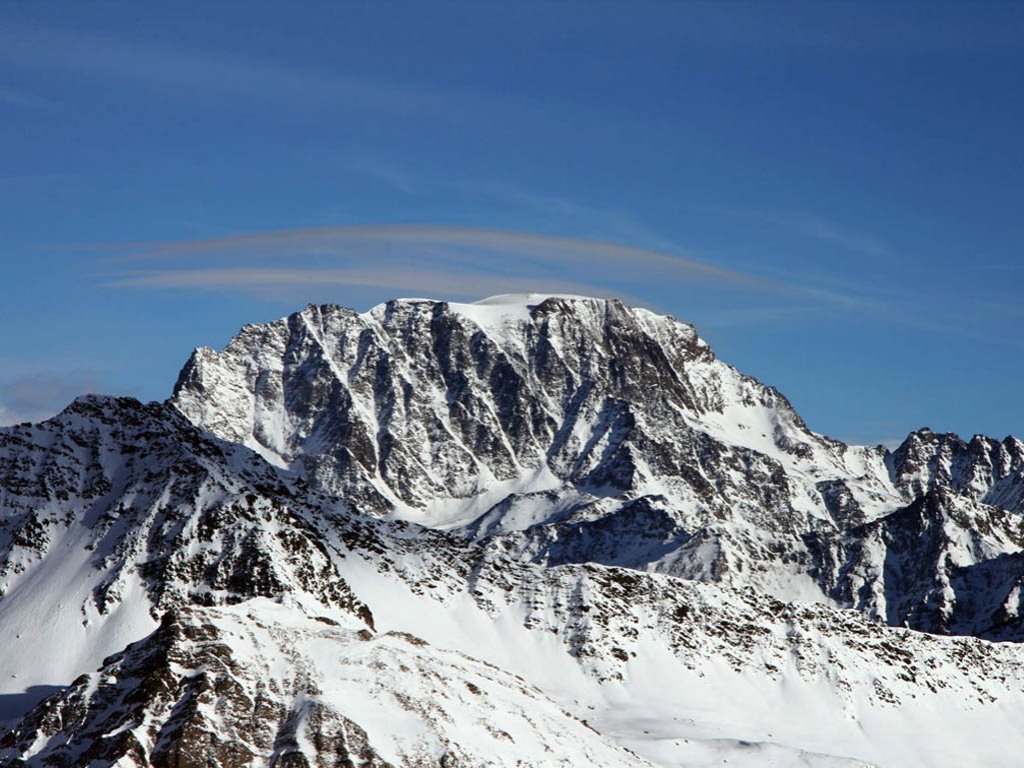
[(701, 710), (55, 603), (447, 513)]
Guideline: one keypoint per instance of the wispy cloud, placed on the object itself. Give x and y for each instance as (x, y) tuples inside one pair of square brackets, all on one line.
[(554, 207), (192, 71), (8, 417), (758, 315), (828, 232), (40, 395), (821, 229), (19, 98), (279, 281), (843, 26), (456, 262)]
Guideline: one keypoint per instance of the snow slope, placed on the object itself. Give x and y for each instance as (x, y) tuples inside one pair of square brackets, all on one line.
[(266, 683)]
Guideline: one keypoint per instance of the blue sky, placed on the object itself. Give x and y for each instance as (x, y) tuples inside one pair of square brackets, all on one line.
[(833, 193)]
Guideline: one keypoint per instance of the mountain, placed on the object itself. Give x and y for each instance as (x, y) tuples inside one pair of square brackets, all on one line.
[(529, 531), (579, 430)]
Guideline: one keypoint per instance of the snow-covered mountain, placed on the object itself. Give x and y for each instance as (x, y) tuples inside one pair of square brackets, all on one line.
[(529, 531), (573, 430)]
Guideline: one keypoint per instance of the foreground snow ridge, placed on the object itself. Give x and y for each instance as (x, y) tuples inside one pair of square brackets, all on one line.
[(532, 531)]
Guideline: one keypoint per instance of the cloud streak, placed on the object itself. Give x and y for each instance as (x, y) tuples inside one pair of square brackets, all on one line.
[(551, 207), (109, 58), (825, 231), (820, 229), (279, 280), (18, 98), (450, 261), (193, 71), (39, 395)]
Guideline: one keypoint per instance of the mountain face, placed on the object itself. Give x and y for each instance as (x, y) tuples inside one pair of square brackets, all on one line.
[(580, 430), (529, 531)]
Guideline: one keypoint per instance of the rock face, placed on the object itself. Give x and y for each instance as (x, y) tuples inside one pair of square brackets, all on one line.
[(616, 549), (581, 430)]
